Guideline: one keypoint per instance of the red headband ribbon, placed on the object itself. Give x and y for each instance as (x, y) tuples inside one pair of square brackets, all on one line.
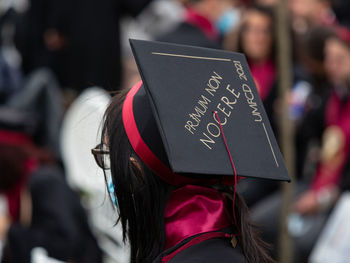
[(141, 148)]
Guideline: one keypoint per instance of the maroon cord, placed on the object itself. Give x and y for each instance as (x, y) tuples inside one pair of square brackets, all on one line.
[(233, 167)]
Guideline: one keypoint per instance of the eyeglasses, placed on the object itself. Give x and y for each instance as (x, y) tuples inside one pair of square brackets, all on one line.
[(101, 155)]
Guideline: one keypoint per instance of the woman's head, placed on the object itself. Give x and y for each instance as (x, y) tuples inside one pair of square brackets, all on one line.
[(311, 50), (256, 35), (337, 58), (141, 194), (141, 190)]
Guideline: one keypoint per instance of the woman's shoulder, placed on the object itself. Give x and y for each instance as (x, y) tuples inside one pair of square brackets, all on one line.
[(212, 250)]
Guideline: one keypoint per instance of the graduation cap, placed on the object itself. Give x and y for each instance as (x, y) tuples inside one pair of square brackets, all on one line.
[(191, 104)]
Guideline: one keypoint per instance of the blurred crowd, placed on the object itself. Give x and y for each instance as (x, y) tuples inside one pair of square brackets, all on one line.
[(52, 51)]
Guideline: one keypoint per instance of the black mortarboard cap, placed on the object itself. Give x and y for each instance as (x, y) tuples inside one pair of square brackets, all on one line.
[(173, 114)]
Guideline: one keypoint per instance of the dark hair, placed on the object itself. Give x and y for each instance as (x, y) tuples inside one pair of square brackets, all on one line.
[(234, 40), (142, 196), (314, 42), (309, 51)]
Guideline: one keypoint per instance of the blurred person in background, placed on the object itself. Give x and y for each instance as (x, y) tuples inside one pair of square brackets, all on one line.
[(11, 80), (41, 96), (308, 99), (314, 201), (205, 23), (307, 13), (42, 210), (304, 17), (255, 38), (326, 184), (42, 34), (79, 40)]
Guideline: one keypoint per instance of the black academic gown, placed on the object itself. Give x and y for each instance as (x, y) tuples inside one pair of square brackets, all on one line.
[(216, 249), (59, 223)]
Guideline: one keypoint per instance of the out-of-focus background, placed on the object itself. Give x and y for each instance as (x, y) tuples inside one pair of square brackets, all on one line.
[(61, 61)]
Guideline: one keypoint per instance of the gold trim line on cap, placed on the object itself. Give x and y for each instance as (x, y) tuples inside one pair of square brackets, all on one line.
[(268, 138), (186, 56)]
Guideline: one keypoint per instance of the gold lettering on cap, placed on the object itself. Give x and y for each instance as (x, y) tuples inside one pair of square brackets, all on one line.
[(252, 104), (211, 132), (240, 70), (206, 141), (223, 110), (201, 108), (233, 91), (204, 102), (229, 103), (213, 83), (190, 127), (197, 115), (223, 123), (199, 112)]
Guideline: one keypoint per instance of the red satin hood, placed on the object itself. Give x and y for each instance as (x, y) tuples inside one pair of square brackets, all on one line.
[(193, 210)]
